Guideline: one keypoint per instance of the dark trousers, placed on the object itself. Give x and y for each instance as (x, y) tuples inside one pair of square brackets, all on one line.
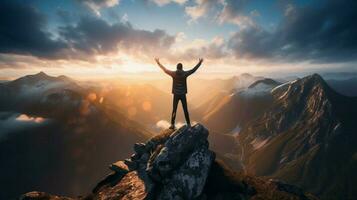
[(177, 98)]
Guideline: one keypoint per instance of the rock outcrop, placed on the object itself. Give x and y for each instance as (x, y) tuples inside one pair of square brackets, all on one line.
[(173, 165), (178, 165)]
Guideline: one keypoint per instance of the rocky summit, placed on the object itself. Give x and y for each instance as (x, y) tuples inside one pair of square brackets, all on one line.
[(179, 165)]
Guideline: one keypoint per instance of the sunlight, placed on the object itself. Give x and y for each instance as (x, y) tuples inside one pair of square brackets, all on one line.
[(92, 96), (132, 111), (146, 106)]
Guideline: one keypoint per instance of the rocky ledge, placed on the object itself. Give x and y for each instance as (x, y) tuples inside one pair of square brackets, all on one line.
[(179, 165)]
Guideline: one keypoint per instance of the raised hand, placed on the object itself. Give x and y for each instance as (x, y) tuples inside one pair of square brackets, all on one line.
[(200, 60), (157, 60)]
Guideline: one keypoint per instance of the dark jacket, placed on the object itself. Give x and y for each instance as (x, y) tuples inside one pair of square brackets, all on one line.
[(179, 81), (179, 77)]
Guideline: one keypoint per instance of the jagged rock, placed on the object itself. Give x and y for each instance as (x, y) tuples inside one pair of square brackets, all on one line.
[(177, 149), (282, 186), (144, 158), (132, 165), (119, 166), (135, 157), (188, 181), (120, 169), (139, 148), (134, 185)]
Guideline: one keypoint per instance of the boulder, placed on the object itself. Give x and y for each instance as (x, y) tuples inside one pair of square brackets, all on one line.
[(188, 181), (177, 149), (134, 185)]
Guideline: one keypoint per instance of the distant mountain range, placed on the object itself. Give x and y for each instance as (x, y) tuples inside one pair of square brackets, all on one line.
[(346, 87)]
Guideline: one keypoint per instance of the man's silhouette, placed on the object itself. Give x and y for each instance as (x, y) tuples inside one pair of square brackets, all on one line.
[(179, 88)]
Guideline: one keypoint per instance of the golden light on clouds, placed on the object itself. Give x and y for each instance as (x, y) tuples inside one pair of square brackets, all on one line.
[(26, 118)]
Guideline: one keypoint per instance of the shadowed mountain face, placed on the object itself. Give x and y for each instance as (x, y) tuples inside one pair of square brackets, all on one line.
[(307, 137), (238, 107), (57, 136)]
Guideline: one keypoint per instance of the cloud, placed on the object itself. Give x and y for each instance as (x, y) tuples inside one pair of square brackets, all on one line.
[(22, 32), (226, 11), (11, 122), (164, 2), (318, 33), (96, 5), (94, 36), (214, 49), (200, 9), (252, 42), (233, 13)]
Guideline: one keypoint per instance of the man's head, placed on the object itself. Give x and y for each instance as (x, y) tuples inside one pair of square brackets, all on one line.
[(179, 66)]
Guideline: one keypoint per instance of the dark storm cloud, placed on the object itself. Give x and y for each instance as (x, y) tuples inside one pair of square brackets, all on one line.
[(22, 32), (95, 36), (321, 33)]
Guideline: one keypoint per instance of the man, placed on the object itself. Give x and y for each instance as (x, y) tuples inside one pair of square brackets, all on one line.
[(179, 88)]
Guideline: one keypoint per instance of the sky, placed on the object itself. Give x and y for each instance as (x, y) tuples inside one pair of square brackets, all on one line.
[(108, 38)]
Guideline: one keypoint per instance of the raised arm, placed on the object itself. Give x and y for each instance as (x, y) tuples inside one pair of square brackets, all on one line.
[(193, 70), (162, 67)]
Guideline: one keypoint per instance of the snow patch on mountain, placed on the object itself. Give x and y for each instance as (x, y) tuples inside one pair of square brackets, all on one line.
[(260, 89), (41, 87), (283, 88)]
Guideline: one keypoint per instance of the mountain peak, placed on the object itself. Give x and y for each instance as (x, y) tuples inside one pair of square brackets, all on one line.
[(316, 77), (316, 81), (41, 74), (303, 86), (246, 75)]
